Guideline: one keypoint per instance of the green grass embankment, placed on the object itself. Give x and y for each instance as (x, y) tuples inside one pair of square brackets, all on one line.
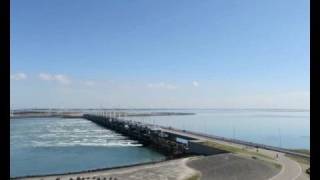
[(194, 177), (302, 151), (301, 160), (234, 149), (243, 152)]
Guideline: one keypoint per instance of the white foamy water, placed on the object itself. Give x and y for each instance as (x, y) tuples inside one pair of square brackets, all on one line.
[(55, 145), (71, 132)]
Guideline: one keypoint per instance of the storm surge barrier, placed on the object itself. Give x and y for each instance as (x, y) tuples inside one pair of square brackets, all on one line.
[(145, 134), (171, 141)]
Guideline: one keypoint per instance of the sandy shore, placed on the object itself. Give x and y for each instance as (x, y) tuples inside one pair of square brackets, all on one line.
[(222, 166), (168, 170)]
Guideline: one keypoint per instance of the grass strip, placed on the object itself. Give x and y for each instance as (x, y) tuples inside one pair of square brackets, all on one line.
[(233, 149), (194, 177)]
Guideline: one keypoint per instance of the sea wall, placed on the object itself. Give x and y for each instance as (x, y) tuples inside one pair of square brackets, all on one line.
[(197, 147)]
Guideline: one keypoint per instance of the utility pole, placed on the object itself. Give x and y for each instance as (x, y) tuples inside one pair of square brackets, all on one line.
[(233, 131), (280, 139), (204, 127)]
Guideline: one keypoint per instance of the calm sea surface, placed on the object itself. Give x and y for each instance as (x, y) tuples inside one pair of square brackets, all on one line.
[(52, 145), (281, 128)]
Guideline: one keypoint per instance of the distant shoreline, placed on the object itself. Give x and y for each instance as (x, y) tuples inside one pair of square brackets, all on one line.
[(148, 109), (39, 114)]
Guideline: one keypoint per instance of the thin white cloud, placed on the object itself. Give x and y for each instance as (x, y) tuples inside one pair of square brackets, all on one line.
[(18, 76), (45, 77), (62, 79), (161, 85), (195, 83), (89, 83)]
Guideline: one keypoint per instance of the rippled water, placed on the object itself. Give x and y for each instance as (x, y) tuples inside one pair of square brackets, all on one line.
[(53, 145)]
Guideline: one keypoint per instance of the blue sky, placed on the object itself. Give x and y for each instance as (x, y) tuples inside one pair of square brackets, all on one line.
[(153, 54)]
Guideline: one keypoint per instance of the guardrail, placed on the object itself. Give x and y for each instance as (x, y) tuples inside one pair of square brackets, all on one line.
[(237, 141)]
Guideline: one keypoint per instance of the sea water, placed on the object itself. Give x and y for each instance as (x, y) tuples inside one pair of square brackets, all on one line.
[(55, 145), (278, 127)]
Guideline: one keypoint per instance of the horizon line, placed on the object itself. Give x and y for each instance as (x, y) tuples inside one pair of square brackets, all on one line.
[(147, 108)]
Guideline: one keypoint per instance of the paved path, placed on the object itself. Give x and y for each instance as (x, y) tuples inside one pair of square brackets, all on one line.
[(291, 170), (228, 166)]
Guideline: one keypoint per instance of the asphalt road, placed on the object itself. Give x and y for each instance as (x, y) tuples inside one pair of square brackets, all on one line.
[(231, 167), (291, 170)]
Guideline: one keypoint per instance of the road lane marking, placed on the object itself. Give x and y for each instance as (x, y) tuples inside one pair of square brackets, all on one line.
[(283, 167), (300, 171)]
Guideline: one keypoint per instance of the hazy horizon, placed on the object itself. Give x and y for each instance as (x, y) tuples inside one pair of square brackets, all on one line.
[(142, 108)]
